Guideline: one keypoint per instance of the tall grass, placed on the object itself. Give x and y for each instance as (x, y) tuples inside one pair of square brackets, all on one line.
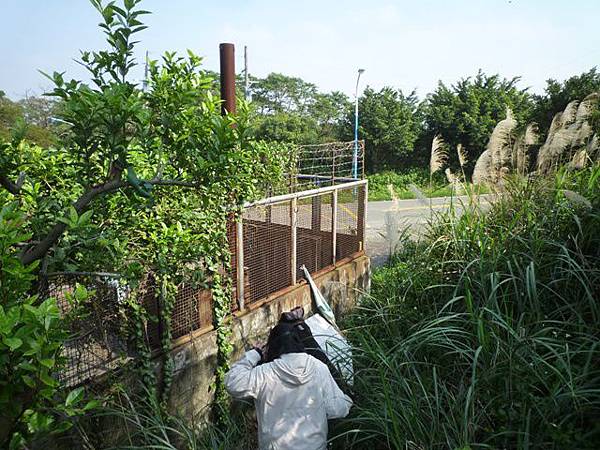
[(137, 421), (486, 334)]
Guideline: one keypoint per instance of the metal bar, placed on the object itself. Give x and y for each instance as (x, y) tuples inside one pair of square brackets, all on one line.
[(362, 148), (304, 194), (334, 223), (227, 59), (332, 166), (90, 274), (325, 177), (294, 222), (239, 247), (362, 216)]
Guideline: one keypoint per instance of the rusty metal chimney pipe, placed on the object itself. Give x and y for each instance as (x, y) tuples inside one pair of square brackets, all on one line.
[(227, 58)]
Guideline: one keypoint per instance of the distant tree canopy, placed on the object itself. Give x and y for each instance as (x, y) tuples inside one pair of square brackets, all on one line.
[(467, 112), (557, 95), (290, 109), (398, 129), (390, 125), (28, 119)]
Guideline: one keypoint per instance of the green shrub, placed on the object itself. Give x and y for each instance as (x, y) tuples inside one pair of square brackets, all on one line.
[(487, 333), (32, 333)]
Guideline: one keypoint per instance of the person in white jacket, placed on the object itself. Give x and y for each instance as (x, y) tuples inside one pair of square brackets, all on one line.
[(294, 393)]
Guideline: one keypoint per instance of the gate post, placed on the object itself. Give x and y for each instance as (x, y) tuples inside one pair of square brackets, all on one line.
[(239, 242), (363, 195), (334, 202), (294, 229)]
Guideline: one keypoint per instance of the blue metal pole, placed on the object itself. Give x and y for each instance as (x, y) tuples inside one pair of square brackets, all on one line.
[(355, 153)]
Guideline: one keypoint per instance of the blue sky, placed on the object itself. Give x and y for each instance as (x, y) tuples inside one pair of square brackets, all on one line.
[(405, 44)]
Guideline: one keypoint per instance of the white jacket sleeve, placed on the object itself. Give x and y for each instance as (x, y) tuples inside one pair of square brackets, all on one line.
[(244, 379), (337, 404)]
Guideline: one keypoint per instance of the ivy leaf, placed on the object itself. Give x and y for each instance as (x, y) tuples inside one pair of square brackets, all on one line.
[(92, 404), (84, 219), (73, 216)]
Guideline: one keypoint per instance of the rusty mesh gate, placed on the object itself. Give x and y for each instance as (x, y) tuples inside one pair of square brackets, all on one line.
[(276, 236)]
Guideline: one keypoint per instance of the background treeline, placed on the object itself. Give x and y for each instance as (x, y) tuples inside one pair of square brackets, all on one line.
[(398, 128), (30, 118)]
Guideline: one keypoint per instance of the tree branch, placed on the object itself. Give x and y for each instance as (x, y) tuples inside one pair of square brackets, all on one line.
[(40, 249), (13, 188)]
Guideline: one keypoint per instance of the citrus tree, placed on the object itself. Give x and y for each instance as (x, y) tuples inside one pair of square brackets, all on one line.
[(143, 180)]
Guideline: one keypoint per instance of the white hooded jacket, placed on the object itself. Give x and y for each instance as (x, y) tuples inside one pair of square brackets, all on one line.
[(294, 396)]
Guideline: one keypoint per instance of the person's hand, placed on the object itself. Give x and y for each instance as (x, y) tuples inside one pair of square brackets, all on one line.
[(261, 349)]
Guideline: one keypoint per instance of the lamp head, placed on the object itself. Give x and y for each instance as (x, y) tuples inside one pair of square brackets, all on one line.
[(360, 71)]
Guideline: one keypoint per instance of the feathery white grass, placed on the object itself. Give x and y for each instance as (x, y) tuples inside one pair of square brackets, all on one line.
[(498, 153), (570, 113), (463, 157), (557, 123), (521, 149), (569, 132), (586, 107), (532, 134), (483, 168), (580, 160), (439, 155)]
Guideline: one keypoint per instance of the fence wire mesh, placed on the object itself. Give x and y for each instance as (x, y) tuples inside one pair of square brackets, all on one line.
[(99, 334), (267, 249), (267, 237), (96, 344), (315, 233), (318, 165), (349, 219)]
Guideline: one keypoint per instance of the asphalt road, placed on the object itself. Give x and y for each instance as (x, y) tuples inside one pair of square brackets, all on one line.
[(386, 220)]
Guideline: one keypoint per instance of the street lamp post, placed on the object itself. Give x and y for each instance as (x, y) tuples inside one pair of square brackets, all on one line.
[(355, 155)]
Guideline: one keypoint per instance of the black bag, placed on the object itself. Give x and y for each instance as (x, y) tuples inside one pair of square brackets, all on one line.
[(295, 320)]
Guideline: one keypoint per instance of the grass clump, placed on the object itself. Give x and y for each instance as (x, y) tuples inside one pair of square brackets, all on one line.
[(137, 421), (486, 334)]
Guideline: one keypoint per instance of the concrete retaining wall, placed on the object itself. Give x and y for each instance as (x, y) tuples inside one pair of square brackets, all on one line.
[(195, 355)]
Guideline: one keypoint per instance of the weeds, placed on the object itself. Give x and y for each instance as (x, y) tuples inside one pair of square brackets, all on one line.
[(137, 421), (486, 333)]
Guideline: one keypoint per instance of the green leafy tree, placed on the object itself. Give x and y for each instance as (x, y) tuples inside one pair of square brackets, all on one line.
[(25, 120), (10, 112), (467, 112), (557, 95), (39, 111), (289, 109), (389, 124), (278, 93), (141, 182), (32, 331)]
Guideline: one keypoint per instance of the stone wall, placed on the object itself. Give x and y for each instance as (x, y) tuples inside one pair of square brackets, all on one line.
[(195, 355)]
